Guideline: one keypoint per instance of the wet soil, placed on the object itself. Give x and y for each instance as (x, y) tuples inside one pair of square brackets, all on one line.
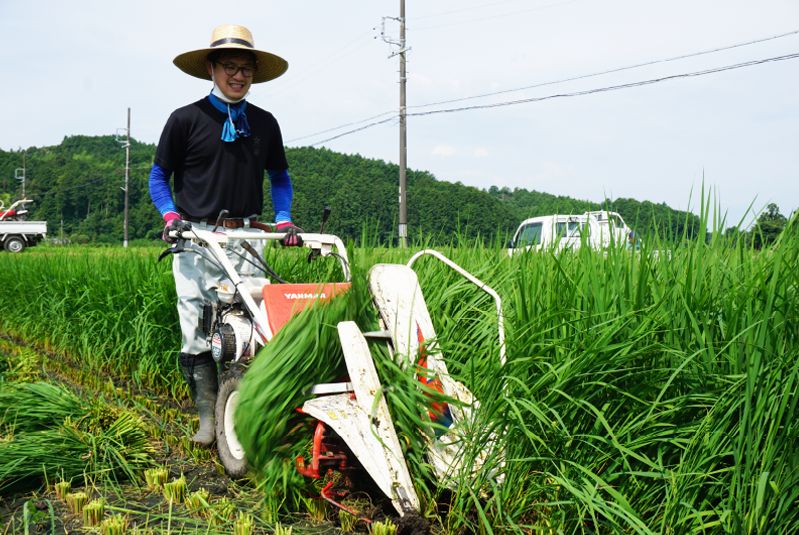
[(147, 512)]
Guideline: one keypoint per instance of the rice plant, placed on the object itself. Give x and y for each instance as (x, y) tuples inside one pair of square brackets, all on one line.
[(28, 407), (220, 512), (641, 393), (155, 478), (273, 502), (114, 525), (76, 501), (243, 524), (316, 507), (175, 492), (62, 488), (305, 351), (93, 513), (383, 528), (220, 468), (347, 521), (110, 313), (119, 451), (198, 503), (20, 365)]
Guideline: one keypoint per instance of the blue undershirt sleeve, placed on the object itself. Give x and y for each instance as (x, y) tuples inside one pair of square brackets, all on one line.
[(282, 193), (160, 192)]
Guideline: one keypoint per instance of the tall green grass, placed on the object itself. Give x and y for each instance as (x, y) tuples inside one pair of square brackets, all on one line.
[(641, 394), (110, 311)]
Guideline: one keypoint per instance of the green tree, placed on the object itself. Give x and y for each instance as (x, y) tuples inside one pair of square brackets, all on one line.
[(769, 226), (78, 182)]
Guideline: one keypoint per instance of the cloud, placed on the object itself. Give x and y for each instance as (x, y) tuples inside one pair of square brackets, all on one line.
[(444, 150), (481, 152)]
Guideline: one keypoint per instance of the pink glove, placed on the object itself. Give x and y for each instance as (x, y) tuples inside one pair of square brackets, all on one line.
[(169, 217), (292, 238)]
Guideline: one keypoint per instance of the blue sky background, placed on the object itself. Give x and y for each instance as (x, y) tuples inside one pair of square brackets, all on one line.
[(75, 68)]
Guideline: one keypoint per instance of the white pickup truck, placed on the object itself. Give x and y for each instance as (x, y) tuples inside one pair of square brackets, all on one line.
[(16, 235), (564, 231)]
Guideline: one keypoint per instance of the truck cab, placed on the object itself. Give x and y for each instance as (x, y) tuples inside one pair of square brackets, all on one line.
[(599, 229)]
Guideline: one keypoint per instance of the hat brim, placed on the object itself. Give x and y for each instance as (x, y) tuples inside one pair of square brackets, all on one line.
[(270, 66)]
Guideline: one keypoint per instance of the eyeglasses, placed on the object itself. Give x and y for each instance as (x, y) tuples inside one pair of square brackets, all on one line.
[(231, 69)]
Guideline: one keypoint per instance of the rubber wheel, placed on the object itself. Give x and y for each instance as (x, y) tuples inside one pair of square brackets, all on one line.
[(231, 454), (14, 244)]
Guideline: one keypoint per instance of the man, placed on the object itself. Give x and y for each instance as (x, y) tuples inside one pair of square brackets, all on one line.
[(218, 149), (632, 241)]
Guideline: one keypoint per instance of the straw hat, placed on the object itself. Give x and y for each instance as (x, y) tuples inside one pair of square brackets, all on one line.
[(232, 37)]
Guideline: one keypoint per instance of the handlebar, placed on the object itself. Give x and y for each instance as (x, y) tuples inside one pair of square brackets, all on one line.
[(320, 244)]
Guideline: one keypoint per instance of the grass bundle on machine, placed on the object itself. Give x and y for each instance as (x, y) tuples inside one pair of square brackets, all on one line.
[(307, 351)]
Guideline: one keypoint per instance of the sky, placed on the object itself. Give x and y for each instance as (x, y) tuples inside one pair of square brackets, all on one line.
[(73, 68)]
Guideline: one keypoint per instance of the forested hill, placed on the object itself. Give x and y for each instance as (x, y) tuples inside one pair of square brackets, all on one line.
[(77, 188)]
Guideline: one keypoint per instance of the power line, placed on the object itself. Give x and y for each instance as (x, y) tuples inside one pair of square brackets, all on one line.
[(353, 131), (729, 47), (609, 71), (117, 172), (342, 126), (51, 192), (615, 87), (577, 93)]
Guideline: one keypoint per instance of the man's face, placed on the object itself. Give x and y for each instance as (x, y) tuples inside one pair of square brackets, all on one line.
[(233, 86)]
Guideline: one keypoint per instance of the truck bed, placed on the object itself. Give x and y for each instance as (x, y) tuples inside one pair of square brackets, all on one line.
[(23, 227)]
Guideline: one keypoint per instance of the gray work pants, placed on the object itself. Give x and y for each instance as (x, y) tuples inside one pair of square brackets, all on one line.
[(196, 280)]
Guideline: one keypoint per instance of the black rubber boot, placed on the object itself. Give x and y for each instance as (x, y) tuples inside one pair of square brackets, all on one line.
[(200, 372)]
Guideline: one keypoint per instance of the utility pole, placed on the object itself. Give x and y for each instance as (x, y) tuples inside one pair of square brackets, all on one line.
[(403, 211), (126, 189), (403, 159), (22, 178)]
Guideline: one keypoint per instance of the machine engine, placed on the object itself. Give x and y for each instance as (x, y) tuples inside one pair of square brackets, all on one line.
[(229, 330)]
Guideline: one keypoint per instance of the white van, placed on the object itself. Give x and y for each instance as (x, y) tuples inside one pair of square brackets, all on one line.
[(565, 231)]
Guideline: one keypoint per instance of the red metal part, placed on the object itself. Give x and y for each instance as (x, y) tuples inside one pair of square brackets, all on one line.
[(313, 471), (323, 453), (335, 455), (438, 409), (334, 503)]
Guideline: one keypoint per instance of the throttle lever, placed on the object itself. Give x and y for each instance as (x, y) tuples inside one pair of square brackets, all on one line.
[(221, 219), (179, 247), (325, 215)]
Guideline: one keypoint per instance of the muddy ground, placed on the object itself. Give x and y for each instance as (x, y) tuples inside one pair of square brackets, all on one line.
[(38, 510)]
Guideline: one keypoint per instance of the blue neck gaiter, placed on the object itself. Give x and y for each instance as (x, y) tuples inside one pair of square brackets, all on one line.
[(237, 124)]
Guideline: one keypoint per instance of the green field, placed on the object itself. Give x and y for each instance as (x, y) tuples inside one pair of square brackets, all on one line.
[(641, 394)]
